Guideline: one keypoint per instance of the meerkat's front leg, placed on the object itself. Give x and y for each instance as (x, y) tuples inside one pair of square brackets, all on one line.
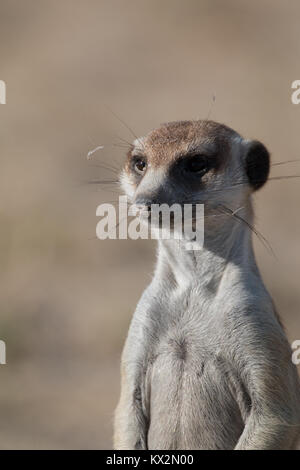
[(274, 420), (266, 433), (132, 414), (130, 425)]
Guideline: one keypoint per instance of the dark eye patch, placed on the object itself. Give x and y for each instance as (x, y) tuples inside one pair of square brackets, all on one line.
[(197, 165), (194, 165), (188, 170)]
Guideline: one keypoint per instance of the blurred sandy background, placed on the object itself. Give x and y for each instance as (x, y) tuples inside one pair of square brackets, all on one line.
[(66, 297)]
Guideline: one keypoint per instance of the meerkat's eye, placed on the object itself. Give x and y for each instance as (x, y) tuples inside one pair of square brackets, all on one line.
[(197, 164), (140, 165)]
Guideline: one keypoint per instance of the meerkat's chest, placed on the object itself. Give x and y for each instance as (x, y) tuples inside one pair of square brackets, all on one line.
[(188, 329), (187, 344), (191, 388)]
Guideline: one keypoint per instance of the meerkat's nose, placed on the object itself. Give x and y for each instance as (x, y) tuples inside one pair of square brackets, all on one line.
[(144, 202)]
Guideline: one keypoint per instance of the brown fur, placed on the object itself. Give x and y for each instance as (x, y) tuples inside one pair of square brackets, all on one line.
[(172, 140)]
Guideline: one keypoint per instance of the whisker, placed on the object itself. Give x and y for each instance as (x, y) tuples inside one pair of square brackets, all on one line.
[(283, 177), (284, 163), (259, 235), (107, 190), (124, 141), (245, 183), (102, 182), (211, 106), (122, 121), (123, 146), (117, 225), (106, 167)]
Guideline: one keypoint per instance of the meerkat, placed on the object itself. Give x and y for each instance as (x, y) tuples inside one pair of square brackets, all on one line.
[(206, 364)]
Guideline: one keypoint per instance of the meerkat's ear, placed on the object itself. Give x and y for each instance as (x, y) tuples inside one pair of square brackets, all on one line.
[(257, 164)]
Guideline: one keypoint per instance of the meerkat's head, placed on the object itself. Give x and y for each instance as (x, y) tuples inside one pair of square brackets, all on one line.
[(194, 162)]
